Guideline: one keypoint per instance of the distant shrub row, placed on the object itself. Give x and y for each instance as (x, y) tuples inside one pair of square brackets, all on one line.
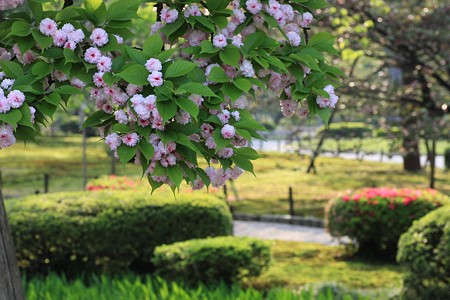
[(108, 231)]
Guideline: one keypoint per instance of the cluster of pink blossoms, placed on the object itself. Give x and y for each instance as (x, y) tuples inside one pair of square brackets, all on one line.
[(7, 138), (290, 20), (10, 4)]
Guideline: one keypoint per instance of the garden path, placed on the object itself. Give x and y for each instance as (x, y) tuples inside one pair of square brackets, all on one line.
[(286, 232)]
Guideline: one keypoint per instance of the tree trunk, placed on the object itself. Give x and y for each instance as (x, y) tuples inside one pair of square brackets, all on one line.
[(432, 164), (10, 282), (411, 159)]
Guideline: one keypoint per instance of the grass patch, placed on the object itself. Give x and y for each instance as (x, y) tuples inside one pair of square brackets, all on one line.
[(303, 264)]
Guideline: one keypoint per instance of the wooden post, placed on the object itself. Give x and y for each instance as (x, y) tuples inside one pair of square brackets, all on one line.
[(291, 202), (10, 282), (225, 192), (46, 182)]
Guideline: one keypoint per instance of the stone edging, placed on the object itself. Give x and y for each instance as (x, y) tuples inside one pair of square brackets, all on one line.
[(286, 219)]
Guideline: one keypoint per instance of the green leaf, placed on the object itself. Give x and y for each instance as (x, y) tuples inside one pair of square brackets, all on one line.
[(208, 47), (166, 54), (243, 163), (243, 84), (136, 55), (175, 174), (42, 40), (12, 69), (20, 28), (26, 116), (92, 5), (146, 149), (41, 69), (101, 12), (112, 45), (70, 56), (215, 5), (196, 89), (230, 56), (323, 41), (68, 90), (11, 117), (121, 128), (153, 45), (247, 152), (179, 68), (47, 109), (253, 41), (53, 98), (249, 124), (126, 153), (188, 106), (167, 109), (36, 9), (231, 91), (135, 74), (220, 141), (324, 114), (97, 118), (217, 74)]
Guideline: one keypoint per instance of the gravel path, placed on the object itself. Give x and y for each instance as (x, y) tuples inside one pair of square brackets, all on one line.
[(286, 232)]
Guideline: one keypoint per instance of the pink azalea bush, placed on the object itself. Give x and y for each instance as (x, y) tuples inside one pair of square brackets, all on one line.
[(376, 217), (176, 97)]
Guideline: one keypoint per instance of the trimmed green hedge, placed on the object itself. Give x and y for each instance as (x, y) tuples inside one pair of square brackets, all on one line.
[(425, 251), (227, 259), (108, 231), (376, 217), (348, 130)]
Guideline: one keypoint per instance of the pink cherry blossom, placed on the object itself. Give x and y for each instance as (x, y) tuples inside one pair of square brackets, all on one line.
[(68, 28), (253, 6), (98, 79), (219, 41), (225, 152), (294, 38), (307, 18), (228, 131), (169, 15), (48, 27), (130, 139), (155, 78), (59, 38), (104, 64), (247, 68), (153, 64), (76, 36), (7, 138), (4, 104), (113, 141), (92, 55), (16, 99), (78, 83), (99, 37)]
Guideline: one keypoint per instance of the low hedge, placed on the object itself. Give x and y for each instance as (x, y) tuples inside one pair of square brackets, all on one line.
[(347, 130), (376, 217), (425, 251), (108, 231), (227, 259)]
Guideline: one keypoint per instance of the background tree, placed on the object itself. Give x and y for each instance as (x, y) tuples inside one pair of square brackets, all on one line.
[(400, 53)]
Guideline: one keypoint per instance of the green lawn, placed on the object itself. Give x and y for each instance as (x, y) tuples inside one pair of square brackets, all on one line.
[(23, 167), (302, 264), (368, 145)]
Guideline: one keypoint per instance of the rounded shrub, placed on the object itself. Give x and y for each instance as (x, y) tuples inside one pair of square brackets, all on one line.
[(375, 218), (108, 231), (211, 260), (425, 251)]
